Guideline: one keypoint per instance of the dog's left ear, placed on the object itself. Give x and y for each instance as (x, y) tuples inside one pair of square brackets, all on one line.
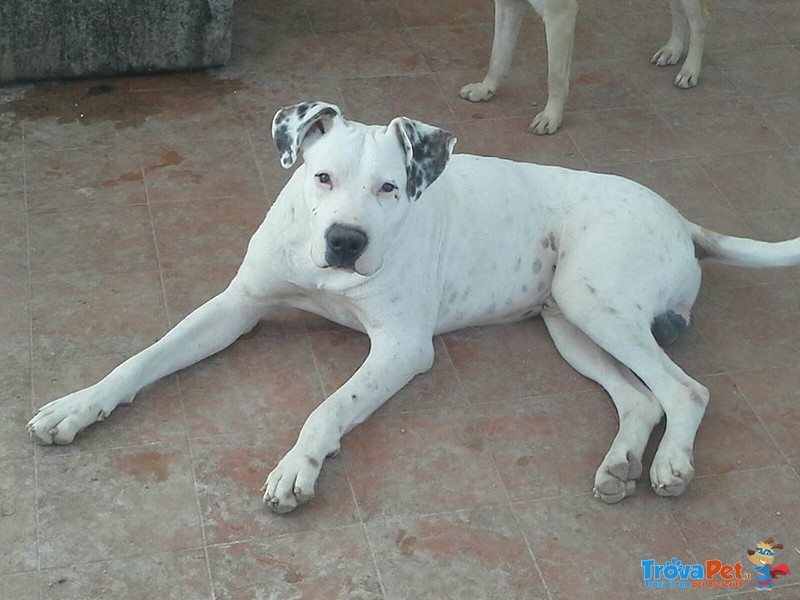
[(427, 149), (295, 125)]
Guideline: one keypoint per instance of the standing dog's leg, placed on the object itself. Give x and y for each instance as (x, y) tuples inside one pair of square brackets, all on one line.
[(559, 22), (696, 16), (688, 29), (507, 21), (672, 51), (395, 357), (638, 410), (207, 330)]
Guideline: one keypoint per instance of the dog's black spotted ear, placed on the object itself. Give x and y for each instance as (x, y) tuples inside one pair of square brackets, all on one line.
[(427, 149), (294, 125)]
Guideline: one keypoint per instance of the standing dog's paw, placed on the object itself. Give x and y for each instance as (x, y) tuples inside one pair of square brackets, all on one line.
[(477, 92), (670, 473), (545, 123), (667, 56), (616, 478), (59, 421), (687, 78), (291, 483)]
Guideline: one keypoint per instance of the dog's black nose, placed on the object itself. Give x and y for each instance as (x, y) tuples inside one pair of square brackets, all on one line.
[(344, 244)]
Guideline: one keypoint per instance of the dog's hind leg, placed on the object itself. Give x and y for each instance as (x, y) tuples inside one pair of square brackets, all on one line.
[(210, 328), (672, 51), (507, 22), (559, 22), (696, 17), (606, 318), (637, 409)]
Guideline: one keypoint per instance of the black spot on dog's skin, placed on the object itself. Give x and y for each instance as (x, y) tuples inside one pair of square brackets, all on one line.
[(545, 242), (591, 289), (537, 265), (283, 142), (313, 461), (302, 109), (667, 327)]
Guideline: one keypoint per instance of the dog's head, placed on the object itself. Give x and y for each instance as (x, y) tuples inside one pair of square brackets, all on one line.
[(764, 554), (359, 182)]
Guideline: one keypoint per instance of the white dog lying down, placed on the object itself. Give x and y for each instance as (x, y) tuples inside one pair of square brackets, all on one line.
[(373, 232), (689, 19)]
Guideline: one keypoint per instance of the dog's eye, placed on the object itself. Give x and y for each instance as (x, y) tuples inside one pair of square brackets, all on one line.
[(323, 178), (388, 188)]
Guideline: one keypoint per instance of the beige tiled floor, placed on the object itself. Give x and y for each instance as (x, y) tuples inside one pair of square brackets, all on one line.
[(124, 203)]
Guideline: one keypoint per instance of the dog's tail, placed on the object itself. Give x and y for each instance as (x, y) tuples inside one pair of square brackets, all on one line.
[(743, 252)]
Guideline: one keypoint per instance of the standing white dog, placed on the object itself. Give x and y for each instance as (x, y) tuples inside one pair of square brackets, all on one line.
[(689, 19), (373, 232)]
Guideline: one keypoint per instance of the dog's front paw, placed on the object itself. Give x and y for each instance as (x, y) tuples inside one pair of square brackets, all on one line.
[(671, 472), (477, 92), (668, 55), (616, 477), (687, 78), (291, 483), (545, 123), (59, 421)]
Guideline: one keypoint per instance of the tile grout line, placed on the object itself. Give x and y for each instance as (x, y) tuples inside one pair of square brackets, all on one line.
[(203, 535), (509, 502), (187, 440), (760, 420), (35, 455), (347, 475), (520, 528)]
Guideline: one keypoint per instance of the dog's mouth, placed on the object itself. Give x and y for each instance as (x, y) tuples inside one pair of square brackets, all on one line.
[(344, 268)]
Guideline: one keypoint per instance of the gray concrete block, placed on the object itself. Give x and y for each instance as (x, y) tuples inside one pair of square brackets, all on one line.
[(44, 39)]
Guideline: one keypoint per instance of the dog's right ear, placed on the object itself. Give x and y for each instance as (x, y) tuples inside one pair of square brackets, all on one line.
[(296, 125)]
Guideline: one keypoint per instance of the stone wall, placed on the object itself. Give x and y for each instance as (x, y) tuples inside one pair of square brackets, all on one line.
[(45, 39)]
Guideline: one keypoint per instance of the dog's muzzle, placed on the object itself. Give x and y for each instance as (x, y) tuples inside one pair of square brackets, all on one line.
[(344, 245)]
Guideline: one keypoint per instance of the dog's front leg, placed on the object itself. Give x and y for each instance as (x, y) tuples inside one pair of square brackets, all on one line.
[(210, 328), (395, 357), (507, 22)]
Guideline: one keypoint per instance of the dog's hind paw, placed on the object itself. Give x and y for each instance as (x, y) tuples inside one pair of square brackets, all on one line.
[(669, 475), (477, 92), (668, 55), (686, 78), (545, 123), (616, 478), (292, 482)]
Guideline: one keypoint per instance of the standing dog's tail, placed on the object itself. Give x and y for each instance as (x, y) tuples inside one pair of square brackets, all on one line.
[(743, 252)]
